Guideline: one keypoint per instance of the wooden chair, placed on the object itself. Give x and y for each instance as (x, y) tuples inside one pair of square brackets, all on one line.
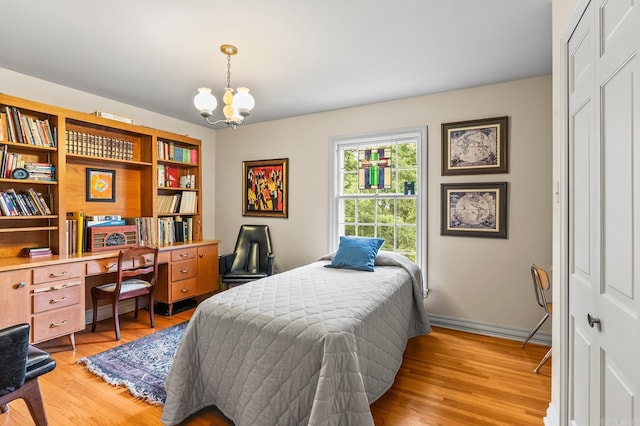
[(137, 276), (541, 284), (20, 366)]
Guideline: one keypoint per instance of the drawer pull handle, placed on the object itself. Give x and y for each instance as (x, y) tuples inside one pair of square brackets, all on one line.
[(110, 266), (184, 254), (184, 290), (62, 299), (21, 284), (61, 274), (201, 255), (63, 286), (58, 324), (184, 271)]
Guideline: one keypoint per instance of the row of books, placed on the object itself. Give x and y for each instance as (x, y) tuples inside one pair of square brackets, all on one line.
[(185, 202), (25, 203), (77, 229), (168, 178), (169, 151), (175, 230), (10, 161), (98, 146), (21, 128)]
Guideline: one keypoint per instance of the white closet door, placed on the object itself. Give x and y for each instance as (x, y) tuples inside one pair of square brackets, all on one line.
[(604, 215)]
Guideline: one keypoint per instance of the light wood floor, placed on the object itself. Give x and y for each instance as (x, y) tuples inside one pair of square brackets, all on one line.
[(447, 378)]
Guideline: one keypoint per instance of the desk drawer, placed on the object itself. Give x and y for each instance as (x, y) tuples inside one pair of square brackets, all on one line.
[(184, 270), (57, 322), (183, 254), (102, 266), (183, 289), (47, 274), (58, 296)]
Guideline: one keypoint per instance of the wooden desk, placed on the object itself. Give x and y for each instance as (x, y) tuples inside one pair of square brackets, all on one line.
[(51, 293)]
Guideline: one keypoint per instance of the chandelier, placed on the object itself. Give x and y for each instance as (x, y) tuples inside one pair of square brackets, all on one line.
[(236, 107)]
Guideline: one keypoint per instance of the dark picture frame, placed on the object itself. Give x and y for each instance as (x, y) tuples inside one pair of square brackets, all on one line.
[(101, 185), (474, 209), (475, 146), (265, 190)]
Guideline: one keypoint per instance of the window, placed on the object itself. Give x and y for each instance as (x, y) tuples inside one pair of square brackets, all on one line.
[(378, 189)]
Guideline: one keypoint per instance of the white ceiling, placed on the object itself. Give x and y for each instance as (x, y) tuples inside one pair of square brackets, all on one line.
[(296, 56)]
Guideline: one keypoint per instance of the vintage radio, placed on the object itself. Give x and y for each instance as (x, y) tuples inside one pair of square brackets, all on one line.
[(103, 238)]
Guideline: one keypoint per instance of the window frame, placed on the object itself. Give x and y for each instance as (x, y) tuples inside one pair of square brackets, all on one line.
[(419, 134)]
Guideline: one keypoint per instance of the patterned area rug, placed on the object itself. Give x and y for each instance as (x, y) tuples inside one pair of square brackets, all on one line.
[(142, 365)]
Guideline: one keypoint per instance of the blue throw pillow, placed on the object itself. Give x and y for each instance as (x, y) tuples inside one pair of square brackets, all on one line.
[(357, 253)]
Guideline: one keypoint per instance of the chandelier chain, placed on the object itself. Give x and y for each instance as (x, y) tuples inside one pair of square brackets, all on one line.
[(228, 71)]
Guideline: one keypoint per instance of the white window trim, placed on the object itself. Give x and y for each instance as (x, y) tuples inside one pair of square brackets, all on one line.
[(418, 133)]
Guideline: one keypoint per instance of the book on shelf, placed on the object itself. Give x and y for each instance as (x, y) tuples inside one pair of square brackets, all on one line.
[(171, 175), (188, 202), (80, 238), (36, 251), (94, 223), (23, 128), (103, 217)]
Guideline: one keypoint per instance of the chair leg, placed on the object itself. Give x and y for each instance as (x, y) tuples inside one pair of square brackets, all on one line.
[(116, 321), (135, 314), (30, 393), (95, 314), (536, 328), (151, 313), (545, 359)]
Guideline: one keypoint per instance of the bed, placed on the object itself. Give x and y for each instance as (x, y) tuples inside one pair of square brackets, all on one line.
[(312, 345)]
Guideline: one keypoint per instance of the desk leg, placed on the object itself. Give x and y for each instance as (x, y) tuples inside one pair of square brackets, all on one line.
[(72, 338)]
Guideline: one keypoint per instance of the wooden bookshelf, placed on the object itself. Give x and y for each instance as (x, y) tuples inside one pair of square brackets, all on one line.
[(85, 141)]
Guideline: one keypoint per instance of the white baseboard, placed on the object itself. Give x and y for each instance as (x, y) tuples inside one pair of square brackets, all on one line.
[(552, 418), (105, 311), (487, 329)]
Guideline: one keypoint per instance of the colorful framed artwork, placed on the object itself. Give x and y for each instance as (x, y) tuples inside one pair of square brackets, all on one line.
[(101, 185), (474, 209), (475, 146), (265, 189)]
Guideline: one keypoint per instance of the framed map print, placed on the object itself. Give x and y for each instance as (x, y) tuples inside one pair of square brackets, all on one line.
[(475, 146), (474, 209)]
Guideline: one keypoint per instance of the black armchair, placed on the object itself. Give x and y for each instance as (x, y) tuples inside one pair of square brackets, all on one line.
[(251, 259), (20, 366)]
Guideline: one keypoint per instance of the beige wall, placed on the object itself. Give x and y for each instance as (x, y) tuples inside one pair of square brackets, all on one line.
[(15, 84), (474, 279)]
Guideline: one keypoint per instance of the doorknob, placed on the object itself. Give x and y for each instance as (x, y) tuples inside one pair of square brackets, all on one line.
[(593, 321)]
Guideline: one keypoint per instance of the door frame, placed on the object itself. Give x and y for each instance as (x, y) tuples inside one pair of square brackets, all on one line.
[(560, 385)]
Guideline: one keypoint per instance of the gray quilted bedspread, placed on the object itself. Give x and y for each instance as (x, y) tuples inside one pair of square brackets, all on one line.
[(312, 345)]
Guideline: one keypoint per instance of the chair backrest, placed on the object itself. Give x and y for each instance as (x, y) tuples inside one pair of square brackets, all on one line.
[(14, 344), (541, 284), (253, 247), (137, 261)]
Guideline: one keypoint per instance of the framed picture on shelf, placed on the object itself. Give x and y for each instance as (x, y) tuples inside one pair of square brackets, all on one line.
[(101, 185), (265, 189), (474, 209), (475, 146)]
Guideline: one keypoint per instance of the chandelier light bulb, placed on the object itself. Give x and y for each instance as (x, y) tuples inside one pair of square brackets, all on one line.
[(243, 102), (205, 102)]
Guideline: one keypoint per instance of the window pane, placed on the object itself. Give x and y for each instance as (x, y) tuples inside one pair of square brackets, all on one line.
[(366, 211), (350, 230), (406, 239), (406, 210), (366, 231), (386, 213), (349, 211), (407, 155), (350, 184), (386, 232), (350, 160)]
